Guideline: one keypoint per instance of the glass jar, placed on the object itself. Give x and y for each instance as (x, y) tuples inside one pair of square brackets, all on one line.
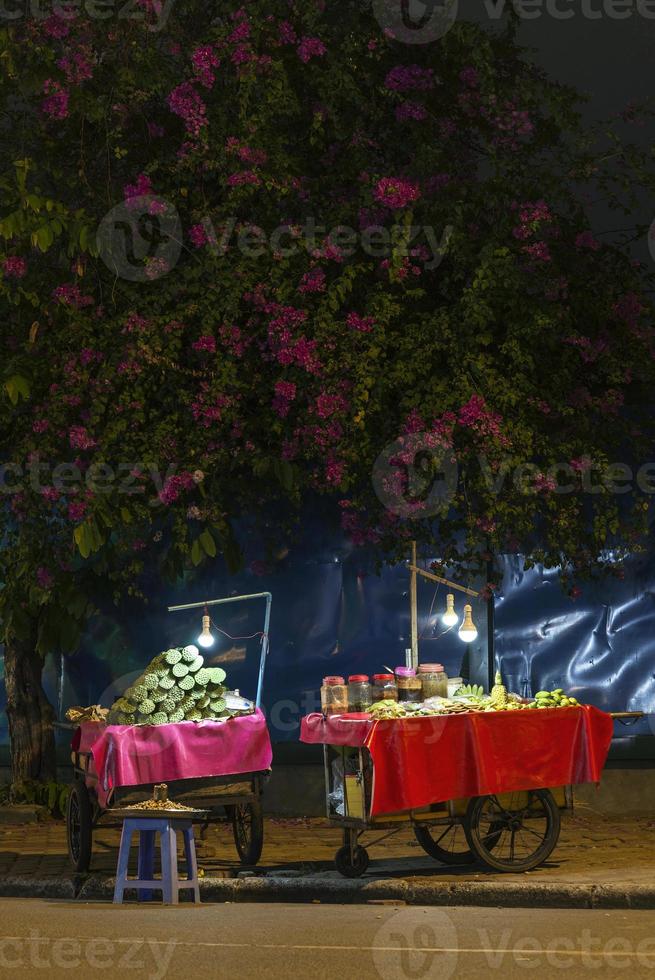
[(360, 697), (334, 696), (409, 685), (384, 687), (434, 680)]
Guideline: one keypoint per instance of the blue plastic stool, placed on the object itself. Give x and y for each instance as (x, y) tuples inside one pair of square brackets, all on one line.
[(145, 882)]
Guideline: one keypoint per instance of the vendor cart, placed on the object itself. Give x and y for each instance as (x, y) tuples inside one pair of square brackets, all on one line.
[(98, 789), (220, 767), (484, 787)]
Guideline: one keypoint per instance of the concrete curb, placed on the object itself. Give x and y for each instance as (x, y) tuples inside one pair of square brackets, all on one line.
[(316, 888)]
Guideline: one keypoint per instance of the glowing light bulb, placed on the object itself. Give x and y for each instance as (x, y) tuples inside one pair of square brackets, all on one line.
[(205, 639), (450, 617), (467, 631)]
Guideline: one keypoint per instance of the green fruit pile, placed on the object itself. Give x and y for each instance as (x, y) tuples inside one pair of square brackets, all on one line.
[(175, 686), (552, 699)]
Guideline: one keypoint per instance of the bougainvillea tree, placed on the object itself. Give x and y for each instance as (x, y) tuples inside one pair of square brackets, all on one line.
[(281, 253)]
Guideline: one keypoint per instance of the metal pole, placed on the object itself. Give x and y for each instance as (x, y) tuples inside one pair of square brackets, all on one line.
[(267, 619), (491, 626), (262, 659), (413, 607), (220, 602)]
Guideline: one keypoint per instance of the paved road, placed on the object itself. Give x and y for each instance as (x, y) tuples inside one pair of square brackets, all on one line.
[(57, 940)]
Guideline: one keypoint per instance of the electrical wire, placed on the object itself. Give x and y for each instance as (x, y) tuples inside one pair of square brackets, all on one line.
[(251, 636)]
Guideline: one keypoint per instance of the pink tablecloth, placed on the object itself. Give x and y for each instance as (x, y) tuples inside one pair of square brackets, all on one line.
[(125, 755)]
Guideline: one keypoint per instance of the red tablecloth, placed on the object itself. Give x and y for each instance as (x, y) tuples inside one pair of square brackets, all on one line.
[(125, 755), (418, 761)]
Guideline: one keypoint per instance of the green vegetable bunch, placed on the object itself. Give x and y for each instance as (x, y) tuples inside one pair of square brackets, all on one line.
[(175, 686)]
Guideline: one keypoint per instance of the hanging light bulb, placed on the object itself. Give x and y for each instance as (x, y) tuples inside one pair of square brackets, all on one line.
[(206, 639), (450, 617), (467, 631)]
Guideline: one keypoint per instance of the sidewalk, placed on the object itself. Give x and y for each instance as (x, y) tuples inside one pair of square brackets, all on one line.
[(598, 863)]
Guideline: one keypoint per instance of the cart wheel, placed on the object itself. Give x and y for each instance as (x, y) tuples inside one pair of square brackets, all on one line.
[(349, 868), (79, 826), (513, 838), (248, 829), (448, 844)]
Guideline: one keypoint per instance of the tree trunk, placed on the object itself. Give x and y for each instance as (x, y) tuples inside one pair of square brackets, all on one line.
[(29, 713)]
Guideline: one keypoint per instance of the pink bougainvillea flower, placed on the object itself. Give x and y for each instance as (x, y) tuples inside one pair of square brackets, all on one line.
[(396, 193), (539, 251), (57, 25), (79, 438), (310, 47), (77, 66), (204, 59), (407, 78), (586, 240), (334, 471), (286, 33), (408, 111), (285, 393), (198, 235), (77, 510), (313, 281), (205, 343), (245, 177), (69, 295), (44, 577), (362, 323), (186, 103), (56, 104), (14, 266)]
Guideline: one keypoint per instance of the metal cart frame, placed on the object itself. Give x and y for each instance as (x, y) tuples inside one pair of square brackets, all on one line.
[(498, 830)]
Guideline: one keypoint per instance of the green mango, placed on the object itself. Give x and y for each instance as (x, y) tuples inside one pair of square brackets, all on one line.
[(542, 694)]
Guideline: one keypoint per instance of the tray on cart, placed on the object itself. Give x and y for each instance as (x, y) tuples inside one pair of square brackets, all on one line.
[(162, 814)]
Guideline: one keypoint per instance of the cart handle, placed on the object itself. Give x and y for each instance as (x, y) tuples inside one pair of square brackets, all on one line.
[(267, 619)]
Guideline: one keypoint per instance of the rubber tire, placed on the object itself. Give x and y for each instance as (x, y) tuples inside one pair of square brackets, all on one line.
[(431, 848), (249, 851), (541, 854), (80, 852), (344, 865)]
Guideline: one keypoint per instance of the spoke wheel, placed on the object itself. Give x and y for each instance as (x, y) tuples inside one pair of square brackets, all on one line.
[(446, 844), (516, 837), (79, 826), (351, 866), (248, 829)]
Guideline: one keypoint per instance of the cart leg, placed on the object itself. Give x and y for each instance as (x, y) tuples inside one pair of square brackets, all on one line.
[(146, 862), (350, 841)]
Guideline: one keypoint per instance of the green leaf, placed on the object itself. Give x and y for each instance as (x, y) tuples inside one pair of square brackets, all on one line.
[(196, 552), (208, 543), (82, 538), (17, 387)]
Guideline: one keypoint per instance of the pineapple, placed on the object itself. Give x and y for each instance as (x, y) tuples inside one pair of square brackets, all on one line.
[(499, 698)]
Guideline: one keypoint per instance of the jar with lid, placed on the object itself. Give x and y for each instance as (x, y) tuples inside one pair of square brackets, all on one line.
[(360, 696), (334, 696), (409, 685), (434, 680), (384, 687)]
